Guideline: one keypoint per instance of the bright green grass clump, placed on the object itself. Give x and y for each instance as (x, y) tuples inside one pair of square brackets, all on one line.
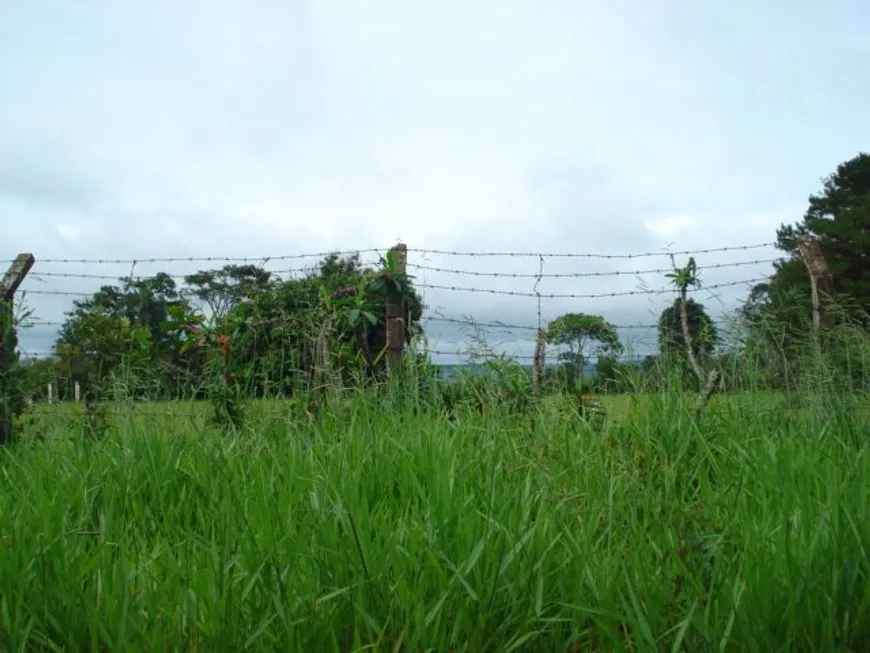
[(401, 530)]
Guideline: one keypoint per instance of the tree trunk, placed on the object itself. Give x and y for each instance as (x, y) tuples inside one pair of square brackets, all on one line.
[(687, 336)]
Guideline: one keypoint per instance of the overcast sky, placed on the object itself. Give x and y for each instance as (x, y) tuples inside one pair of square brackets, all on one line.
[(268, 128)]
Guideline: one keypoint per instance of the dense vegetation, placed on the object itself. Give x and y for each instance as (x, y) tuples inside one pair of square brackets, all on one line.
[(320, 503)]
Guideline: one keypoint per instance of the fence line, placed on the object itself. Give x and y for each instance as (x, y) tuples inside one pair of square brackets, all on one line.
[(417, 266), (425, 285)]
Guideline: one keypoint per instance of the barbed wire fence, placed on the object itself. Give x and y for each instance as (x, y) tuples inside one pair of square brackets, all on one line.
[(508, 296), (504, 298)]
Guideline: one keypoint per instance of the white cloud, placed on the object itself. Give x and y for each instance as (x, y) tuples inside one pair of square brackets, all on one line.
[(671, 226), (70, 232)]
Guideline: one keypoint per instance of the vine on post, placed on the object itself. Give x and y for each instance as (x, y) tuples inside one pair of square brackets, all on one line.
[(381, 297)]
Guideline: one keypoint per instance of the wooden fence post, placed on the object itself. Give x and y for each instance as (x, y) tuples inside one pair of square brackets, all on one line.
[(9, 342), (821, 280), (538, 361), (396, 312)]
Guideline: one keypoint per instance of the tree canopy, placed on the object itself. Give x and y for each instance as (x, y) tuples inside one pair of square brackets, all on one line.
[(272, 325), (702, 330), (584, 336), (838, 217)]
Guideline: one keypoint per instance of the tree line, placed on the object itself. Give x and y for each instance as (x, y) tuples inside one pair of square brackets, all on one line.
[(154, 337)]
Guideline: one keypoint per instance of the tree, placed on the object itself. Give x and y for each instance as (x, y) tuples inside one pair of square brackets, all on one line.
[(278, 327), (272, 325), (100, 344), (95, 336), (702, 330), (839, 218), (584, 336), (219, 291)]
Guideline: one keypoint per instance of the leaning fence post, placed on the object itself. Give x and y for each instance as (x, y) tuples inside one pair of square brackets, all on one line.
[(9, 342), (396, 310), (821, 281)]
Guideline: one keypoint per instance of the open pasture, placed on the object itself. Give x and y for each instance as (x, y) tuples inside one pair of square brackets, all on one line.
[(379, 526)]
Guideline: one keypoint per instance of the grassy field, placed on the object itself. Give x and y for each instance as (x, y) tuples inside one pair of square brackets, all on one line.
[(386, 528)]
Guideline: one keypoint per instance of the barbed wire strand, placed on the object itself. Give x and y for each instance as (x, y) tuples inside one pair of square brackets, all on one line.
[(493, 291), (686, 252), (199, 259), (114, 277), (626, 293), (374, 250), (580, 275)]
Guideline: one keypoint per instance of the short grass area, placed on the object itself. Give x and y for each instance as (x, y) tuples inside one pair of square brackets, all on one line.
[(370, 526)]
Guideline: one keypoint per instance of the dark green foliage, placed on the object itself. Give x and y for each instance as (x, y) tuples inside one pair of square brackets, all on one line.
[(778, 313), (122, 324), (839, 217), (501, 384), (141, 326), (702, 331), (11, 394), (583, 336)]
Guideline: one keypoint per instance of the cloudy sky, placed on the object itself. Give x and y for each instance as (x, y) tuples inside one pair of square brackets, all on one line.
[(274, 128)]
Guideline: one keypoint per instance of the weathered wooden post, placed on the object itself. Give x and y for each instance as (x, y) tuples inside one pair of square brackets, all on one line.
[(396, 310), (821, 282), (538, 361), (9, 401)]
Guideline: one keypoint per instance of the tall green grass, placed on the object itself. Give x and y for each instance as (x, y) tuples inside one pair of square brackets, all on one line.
[(382, 525)]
